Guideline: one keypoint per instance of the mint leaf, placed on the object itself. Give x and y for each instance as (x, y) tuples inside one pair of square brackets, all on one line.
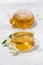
[(4, 42), (10, 36)]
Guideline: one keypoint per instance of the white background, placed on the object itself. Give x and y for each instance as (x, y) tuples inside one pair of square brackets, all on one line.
[(7, 8), (12, 1), (17, 1)]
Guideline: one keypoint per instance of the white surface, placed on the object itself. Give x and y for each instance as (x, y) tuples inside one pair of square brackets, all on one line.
[(6, 11), (16, 1), (19, 1)]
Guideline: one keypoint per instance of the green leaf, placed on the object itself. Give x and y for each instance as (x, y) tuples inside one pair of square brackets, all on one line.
[(10, 36), (4, 42)]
